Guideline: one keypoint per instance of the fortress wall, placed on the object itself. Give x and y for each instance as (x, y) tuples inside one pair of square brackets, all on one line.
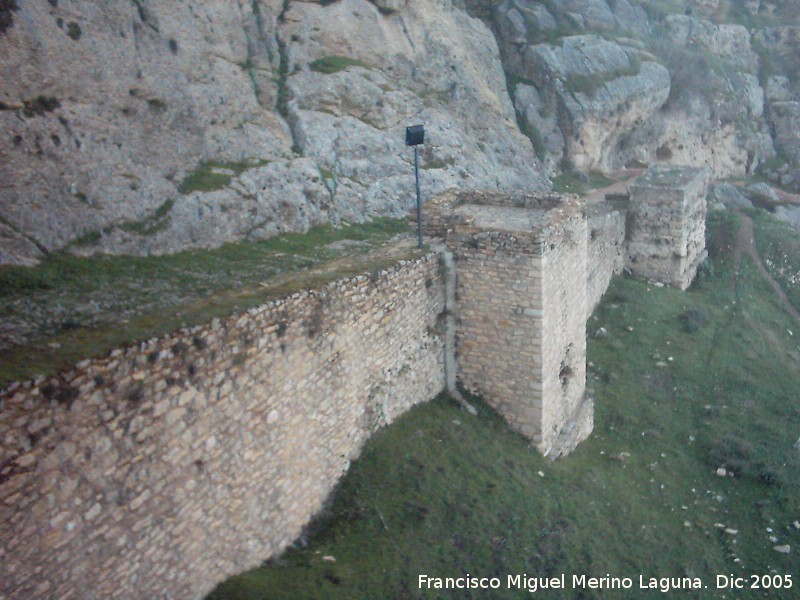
[(164, 468), (563, 341), (606, 250), (498, 338)]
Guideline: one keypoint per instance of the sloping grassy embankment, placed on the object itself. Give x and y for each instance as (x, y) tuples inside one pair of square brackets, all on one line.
[(685, 383)]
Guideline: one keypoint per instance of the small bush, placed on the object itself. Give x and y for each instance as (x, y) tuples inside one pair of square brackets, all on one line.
[(88, 239), (694, 319), (334, 64), (208, 178), (438, 163), (40, 105), (154, 223), (705, 272), (740, 457), (74, 30)]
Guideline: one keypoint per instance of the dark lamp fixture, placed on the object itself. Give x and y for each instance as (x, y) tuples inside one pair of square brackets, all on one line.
[(415, 135)]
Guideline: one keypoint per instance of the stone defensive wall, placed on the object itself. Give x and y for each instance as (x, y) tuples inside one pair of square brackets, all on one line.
[(164, 468), (606, 248)]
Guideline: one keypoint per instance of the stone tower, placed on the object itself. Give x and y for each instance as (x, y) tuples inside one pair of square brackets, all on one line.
[(666, 224), (521, 264)]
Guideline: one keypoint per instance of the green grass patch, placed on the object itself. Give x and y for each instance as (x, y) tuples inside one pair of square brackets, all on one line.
[(334, 64), (438, 163), (443, 493), (88, 239), (88, 306), (151, 224), (212, 176), (326, 173)]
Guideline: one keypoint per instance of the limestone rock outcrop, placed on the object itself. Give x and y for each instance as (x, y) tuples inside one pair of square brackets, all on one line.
[(153, 127), (707, 110), (598, 91), (782, 92), (147, 127)]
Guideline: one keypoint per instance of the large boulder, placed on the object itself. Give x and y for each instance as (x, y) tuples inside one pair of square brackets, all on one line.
[(713, 115), (728, 195), (785, 120), (730, 43), (782, 45), (598, 91), (761, 195)]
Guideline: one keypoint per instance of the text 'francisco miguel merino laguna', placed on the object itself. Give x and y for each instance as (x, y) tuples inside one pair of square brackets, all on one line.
[(533, 584)]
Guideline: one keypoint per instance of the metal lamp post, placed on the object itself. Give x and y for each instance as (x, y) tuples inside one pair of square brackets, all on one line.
[(415, 136)]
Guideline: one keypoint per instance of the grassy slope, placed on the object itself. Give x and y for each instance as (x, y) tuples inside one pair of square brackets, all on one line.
[(444, 493), (107, 301)]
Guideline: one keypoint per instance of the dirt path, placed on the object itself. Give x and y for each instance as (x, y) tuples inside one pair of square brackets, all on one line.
[(745, 244), (787, 197)]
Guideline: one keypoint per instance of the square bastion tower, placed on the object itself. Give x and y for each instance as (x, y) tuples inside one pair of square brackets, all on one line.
[(667, 224), (521, 294)]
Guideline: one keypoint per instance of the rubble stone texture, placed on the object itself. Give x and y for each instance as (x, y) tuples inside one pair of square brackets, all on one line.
[(666, 224), (165, 468), (606, 249)]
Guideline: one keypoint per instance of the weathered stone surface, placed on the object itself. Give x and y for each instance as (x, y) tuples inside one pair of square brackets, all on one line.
[(598, 91), (666, 225), (118, 105), (16, 249), (444, 71), (534, 116), (729, 42), (761, 194), (783, 89), (785, 120), (788, 214), (108, 112), (713, 114), (605, 250)]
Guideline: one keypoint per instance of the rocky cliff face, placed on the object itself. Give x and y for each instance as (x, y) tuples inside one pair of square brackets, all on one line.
[(144, 127), (645, 85)]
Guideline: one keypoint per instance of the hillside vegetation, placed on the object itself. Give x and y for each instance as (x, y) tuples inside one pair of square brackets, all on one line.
[(685, 384)]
